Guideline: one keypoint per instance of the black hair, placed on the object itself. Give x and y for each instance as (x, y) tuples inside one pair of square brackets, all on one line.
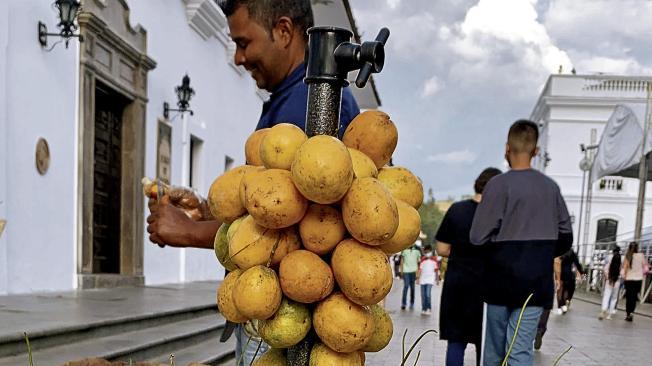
[(523, 136), (427, 247), (267, 12), (484, 178), (614, 266)]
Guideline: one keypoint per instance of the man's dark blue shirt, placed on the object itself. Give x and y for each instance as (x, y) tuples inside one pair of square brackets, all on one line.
[(288, 104)]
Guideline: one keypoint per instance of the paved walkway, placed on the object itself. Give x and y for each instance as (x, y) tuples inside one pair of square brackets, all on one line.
[(607, 342)]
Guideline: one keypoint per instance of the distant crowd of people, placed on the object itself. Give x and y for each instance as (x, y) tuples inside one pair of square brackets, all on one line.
[(509, 257)]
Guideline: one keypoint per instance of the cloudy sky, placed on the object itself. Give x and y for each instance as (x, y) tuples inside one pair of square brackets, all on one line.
[(459, 72)]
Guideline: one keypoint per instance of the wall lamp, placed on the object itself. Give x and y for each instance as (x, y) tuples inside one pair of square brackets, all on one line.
[(68, 11), (184, 94)]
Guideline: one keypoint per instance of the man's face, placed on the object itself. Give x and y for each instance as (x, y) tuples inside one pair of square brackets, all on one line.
[(255, 49)]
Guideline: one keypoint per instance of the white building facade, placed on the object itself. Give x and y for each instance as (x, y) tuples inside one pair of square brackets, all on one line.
[(573, 110), (92, 115)]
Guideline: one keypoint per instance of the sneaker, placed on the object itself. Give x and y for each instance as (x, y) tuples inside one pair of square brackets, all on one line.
[(428, 312), (538, 341), (402, 307), (609, 317), (601, 315), (629, 318), (424, 313), (558, 311), (564, 309)]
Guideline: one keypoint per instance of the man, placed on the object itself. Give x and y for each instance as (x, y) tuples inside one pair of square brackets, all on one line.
[(409, 264), (525, 223), (271, 43)]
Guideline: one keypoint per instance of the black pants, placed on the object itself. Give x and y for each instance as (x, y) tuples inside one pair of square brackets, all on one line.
[(567, 291), (542, 327), (632, 288)]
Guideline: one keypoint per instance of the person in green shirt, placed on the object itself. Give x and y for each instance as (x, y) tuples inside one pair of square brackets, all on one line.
[(408, 268)]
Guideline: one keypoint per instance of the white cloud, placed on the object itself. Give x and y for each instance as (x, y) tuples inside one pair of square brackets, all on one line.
[(393, 4), (431, 87), (454, 157), (608, 65)]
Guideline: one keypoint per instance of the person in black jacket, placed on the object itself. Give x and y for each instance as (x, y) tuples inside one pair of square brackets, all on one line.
[(460, 311), (565, 295)]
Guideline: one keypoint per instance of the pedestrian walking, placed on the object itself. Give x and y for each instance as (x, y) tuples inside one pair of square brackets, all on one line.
[(611, 285), (524, 222), (409, 264), (634, 268), (569, 264), (460, 312), (427, 276)]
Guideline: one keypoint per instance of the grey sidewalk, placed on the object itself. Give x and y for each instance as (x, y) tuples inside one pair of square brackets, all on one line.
[(613, 342), (595, 298)]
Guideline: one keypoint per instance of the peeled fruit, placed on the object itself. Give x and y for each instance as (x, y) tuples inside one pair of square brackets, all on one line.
[(363, 166), (257, 293), (343, 325), (324, 356), (225, 301), (383, 331), (252, 244), (362, 272), (252, 147), (273, 357), (287, 327), (374, 134), (289, 241), (272, 199), (322, 169), (305, 277), (280, 144), (322, 228), (370, 212), (221, 247), (224, 195), (402, 184), (409, 227)]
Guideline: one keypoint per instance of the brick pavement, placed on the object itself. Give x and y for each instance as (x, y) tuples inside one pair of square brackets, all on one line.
[(613, 342)]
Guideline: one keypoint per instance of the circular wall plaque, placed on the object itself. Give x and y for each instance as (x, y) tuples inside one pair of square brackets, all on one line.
[(42, 156)]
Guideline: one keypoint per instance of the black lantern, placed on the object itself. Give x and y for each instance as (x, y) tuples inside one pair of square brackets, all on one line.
[(184, 94), (68, 10)]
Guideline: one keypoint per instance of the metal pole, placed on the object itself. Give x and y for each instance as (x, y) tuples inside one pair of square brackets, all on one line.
[(642, 169), (579, 224)]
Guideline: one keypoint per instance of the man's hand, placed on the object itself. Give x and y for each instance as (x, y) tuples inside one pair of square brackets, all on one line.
[(169, 225)]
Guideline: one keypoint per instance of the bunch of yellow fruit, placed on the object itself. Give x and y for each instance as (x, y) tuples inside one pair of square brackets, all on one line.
[(308, 225)]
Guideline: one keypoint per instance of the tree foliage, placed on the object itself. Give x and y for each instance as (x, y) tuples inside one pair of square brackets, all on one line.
[(431, 217)]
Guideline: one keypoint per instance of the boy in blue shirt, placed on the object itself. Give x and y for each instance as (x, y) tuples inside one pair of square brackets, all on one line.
[(523, 220)]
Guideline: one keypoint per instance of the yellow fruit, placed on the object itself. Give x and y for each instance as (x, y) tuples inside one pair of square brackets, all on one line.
[(402, 184), (409, 227), (245, 180), (363, 166), (363, 358), (221, 247), (321, 229), (343, 325), (272, 200), (224, 195), (225, 298), (305, 277), (273, 357), (322, 169), (320, 355), (252, 147), (287, 327), (370, 212), (383, 331), (289, 241), (363, 273), (252, 244), (233, 228), (257, 293), (280, 144), (374, 134)]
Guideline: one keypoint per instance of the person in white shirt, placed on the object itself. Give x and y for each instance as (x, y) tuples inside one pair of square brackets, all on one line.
[(428, 276)]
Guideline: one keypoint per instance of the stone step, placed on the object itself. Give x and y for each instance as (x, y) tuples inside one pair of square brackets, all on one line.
[(14, 344), (138, 343), (208, 352)]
